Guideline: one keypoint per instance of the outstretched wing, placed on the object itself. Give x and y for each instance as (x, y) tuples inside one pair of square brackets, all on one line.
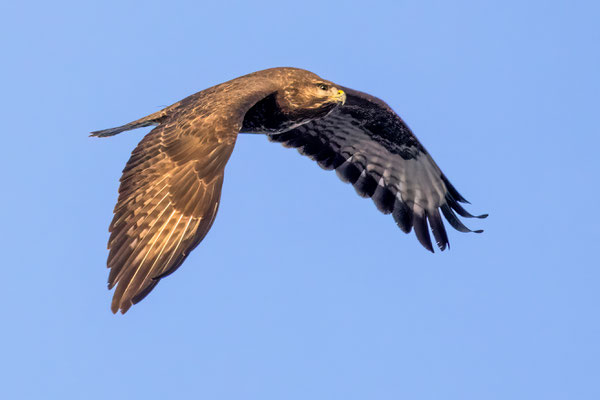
[(168, 200), (171, 185), (370, 146)]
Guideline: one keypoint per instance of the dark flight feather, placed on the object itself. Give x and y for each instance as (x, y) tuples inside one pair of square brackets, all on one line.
[(365, 185), (384, 199), (437, 227), (403, 216), (421, 231)]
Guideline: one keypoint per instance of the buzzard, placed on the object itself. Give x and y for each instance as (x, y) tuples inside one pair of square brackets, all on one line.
[(171, 185)]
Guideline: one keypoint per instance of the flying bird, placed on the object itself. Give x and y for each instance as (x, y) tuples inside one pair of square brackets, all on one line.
[(171, 186)]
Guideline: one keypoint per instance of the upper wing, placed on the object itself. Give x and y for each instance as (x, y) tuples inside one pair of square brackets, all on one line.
[(171, 185), (369, 145), (168, 200)]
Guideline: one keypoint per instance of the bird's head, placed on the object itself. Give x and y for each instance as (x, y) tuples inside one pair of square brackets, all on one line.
[(310, 96)]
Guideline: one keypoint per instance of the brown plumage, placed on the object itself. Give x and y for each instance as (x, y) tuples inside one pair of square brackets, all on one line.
[(171, 185)]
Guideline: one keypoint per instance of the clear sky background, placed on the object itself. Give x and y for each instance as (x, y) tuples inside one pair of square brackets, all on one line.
[(302, 290)]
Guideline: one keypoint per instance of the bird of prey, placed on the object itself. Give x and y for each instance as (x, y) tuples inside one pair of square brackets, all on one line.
[(171, 185)]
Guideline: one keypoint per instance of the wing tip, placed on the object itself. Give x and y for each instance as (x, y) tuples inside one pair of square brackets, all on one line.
[(431, 221), (421, 228), (107, 132), (121, 307)]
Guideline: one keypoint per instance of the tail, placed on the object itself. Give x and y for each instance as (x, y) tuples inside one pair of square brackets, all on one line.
[(152, 119)]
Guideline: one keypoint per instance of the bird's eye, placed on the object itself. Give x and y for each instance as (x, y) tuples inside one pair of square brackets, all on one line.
[(323, 86)]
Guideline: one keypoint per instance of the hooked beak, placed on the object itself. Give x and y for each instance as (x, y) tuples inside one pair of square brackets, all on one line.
[(341, 97)]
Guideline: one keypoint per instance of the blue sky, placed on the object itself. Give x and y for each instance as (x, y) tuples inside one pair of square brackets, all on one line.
[(302, 290)]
